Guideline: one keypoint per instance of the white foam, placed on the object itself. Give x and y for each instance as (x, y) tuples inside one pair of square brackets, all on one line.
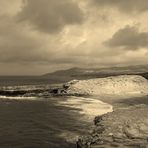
[(88, 107), (69, 136), (18, 98)]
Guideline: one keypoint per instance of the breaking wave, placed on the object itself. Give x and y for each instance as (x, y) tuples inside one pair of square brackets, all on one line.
[(18, 98), (88, 107), (24, 92)]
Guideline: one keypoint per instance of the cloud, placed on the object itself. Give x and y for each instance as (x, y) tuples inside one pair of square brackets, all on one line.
[(125, 6), (50, 16), (39, 36), (16, 44), (19, 44), (129, 38)]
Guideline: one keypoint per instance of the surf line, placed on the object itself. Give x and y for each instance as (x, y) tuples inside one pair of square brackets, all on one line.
[(88, 107)]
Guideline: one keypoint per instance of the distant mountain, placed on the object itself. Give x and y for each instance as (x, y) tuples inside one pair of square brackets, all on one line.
[(65, 75), (89, 73)]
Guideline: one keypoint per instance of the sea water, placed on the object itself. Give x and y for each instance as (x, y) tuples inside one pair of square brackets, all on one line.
[(36, 121)]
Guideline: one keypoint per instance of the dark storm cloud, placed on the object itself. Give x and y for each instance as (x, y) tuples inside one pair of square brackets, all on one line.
[(124, 5), (18, 45), (15, 43), (128, 38), (50, 16)]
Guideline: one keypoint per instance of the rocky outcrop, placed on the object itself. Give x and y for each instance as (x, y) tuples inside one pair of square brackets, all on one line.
[(126, 128), (123, 84)]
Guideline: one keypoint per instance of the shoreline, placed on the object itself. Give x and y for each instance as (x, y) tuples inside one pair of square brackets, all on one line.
[(87, 106), (121, 138), (89, 98)]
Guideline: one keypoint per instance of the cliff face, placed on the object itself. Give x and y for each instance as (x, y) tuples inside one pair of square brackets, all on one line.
[(124, 84)]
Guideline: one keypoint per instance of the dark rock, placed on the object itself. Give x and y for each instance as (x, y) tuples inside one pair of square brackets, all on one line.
[(121, 128)]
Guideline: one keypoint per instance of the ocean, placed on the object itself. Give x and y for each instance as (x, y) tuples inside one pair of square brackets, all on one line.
[(32, 118)]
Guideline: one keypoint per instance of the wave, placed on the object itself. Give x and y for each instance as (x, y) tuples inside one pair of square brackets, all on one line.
[(25, 91), (18, 98), (89, 107)]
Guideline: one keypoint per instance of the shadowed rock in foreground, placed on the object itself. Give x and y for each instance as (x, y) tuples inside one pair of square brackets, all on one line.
[(126, 128)]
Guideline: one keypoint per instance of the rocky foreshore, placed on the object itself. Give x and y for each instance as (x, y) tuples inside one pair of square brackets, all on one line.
[(124, 128)]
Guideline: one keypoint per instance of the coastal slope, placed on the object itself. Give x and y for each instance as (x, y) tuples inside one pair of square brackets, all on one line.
[(123, 84), (127, 125)]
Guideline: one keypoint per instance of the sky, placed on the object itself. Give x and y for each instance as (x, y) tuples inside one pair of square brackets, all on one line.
[(41, 36)]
